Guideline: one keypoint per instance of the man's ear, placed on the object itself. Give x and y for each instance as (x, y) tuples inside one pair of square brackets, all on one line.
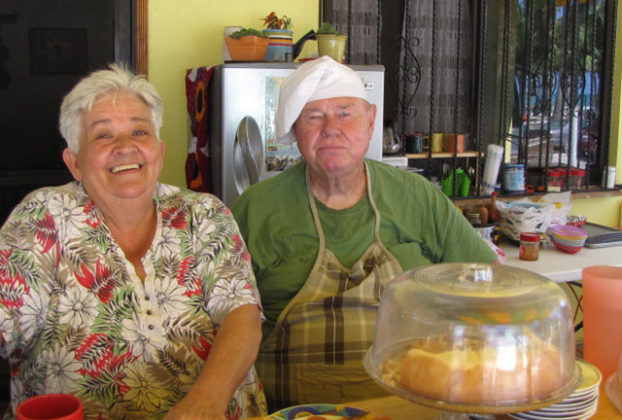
[(372, 118), (71, 160)]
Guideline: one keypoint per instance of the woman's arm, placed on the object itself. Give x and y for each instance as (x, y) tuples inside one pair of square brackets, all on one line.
[(232, 354)]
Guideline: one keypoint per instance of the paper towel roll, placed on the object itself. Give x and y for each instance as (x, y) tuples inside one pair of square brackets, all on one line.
[(602, 317), (494, 155)]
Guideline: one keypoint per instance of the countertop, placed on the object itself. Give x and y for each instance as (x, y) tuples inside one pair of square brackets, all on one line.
[(560, 266)]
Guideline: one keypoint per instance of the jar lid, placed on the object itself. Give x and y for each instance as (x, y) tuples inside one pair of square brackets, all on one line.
[(530, 237)]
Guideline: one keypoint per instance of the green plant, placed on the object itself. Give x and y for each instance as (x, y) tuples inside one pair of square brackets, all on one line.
[(272, 21), (247, 32), (328, 29)]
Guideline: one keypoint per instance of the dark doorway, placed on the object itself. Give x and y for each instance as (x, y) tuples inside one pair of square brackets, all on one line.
[(45, 47)]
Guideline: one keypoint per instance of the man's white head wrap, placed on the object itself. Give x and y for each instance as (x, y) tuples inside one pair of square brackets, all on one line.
[(322, 78)]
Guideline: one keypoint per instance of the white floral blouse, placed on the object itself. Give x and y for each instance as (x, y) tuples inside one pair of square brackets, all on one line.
[(76, 318)]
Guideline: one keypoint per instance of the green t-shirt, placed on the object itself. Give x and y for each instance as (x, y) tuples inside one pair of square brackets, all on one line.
[(419, 225)]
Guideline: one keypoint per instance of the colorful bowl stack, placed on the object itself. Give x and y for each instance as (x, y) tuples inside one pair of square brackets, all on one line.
[(566, 238)]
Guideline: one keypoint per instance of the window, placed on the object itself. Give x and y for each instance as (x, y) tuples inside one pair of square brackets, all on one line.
[(531, 76)]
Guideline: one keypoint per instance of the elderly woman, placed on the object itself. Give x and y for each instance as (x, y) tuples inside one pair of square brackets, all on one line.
[(137, 297), (329, 233)]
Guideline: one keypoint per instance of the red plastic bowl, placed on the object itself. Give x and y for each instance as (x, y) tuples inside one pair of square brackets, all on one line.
[(566, 248)]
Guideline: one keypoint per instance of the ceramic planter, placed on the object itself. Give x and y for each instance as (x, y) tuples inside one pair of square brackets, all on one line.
[(247, 48), (280, 45), (332, 45)]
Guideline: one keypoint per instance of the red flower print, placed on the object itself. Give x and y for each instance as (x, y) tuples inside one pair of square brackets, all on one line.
[(101, 283), (240, 248), (204, 350), (93, 220), (96, 355), (13, 286), (46, 232), (187, 279), (175, 218)]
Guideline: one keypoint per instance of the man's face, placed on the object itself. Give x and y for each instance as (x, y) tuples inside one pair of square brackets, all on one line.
[(333, 134)]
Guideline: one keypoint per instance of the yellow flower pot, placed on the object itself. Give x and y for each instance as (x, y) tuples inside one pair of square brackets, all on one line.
[(333, 46)]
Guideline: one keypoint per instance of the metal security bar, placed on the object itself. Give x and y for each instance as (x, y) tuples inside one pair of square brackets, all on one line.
[(560, 113), (533, 76)]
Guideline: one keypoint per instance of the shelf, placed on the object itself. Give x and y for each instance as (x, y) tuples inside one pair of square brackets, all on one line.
[(443, 155)]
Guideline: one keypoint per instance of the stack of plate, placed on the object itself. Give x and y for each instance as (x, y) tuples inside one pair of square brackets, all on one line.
[(579, 405)]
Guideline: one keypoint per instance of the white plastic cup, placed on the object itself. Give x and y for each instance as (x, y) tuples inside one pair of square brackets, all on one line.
[(609, 177), (494, 155)]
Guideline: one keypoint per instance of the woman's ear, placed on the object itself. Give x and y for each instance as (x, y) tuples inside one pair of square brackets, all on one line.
[(71, 160)]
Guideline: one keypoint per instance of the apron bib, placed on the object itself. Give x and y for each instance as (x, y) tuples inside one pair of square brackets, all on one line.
[(315, 352)]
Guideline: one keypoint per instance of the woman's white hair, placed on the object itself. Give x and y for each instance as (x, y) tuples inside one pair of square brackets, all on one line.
[(115, 78)]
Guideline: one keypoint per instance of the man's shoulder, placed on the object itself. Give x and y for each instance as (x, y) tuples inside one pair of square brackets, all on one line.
[(275, 190)]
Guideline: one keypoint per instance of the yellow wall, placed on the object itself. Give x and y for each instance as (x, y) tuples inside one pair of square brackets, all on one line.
[(189, 34)]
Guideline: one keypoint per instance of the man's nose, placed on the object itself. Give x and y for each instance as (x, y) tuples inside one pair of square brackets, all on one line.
[(331, 125)]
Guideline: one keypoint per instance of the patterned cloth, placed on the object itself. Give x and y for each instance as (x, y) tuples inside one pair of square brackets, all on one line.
[(76, 318), (316, 351)]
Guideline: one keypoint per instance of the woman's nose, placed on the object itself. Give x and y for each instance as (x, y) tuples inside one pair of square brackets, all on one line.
[(124, 142)]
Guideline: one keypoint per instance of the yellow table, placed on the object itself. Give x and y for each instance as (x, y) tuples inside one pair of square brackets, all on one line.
[(396, 408)]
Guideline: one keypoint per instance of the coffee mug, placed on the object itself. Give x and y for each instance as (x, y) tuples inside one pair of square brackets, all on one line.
[(454, 142), (51, 407), (425, 142), (437, 142)]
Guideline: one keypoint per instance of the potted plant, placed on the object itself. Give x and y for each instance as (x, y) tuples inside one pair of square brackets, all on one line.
[(247, 45), (280, 45), (331, 42)]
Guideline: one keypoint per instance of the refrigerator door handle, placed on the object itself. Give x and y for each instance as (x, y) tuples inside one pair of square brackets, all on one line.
[(248, 136)]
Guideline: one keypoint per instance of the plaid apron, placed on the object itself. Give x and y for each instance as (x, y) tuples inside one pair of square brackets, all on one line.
[(315, 352)]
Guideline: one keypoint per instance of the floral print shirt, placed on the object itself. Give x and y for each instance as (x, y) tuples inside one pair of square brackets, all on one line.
[(76, 318)]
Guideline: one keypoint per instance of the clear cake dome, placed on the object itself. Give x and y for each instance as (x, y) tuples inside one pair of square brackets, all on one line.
[(475, 338)]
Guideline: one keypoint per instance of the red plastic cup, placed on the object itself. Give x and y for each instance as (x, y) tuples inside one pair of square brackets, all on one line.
[(51, 407)]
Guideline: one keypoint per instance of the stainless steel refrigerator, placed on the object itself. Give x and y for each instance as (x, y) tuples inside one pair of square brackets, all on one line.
[(242, 103)]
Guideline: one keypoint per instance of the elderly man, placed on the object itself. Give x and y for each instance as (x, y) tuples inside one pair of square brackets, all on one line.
[(328, 234)]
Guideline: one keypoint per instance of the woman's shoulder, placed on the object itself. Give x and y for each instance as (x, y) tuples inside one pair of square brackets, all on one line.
[(72, 191), (170, 196)]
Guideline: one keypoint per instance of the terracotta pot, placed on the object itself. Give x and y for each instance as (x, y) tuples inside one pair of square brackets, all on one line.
[(247, 48), (333, 46)]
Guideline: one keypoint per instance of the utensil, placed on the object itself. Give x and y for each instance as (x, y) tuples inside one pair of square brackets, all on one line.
[(390, 144)]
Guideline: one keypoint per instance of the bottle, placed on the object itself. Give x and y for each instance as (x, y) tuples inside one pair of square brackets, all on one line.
[(529, 246), (494, 211), (483, 215)]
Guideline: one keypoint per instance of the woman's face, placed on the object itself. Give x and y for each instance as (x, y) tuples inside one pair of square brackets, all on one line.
[(333, 134), (120, 157)]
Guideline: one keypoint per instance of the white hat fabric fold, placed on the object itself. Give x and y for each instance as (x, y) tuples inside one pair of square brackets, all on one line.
[(322, 78)]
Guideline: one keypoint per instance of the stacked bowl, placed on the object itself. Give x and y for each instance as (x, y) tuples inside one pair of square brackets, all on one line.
[(567, 238)]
